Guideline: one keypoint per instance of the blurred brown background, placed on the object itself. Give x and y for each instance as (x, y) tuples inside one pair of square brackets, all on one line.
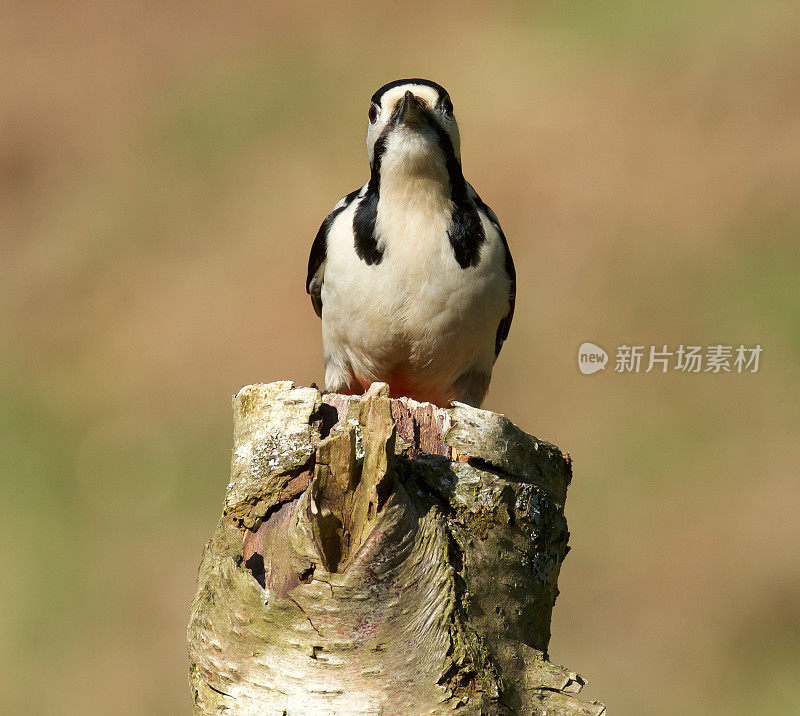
[(163, 170)]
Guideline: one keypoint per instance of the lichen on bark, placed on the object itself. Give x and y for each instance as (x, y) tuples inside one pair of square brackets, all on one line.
[(379, 556)]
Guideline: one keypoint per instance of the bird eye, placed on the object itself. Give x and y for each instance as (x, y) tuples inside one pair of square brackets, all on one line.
[(373, 113), (447, 105)]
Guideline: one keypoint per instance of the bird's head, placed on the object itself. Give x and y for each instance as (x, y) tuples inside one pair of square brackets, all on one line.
[(412, 128)]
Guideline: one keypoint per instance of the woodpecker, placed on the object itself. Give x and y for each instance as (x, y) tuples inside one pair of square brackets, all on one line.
[(411, 274)]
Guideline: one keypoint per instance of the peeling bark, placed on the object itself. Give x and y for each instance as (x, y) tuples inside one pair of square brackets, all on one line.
[(381, 556)]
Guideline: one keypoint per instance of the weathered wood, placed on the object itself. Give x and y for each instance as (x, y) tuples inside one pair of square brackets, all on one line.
[(381, 556)]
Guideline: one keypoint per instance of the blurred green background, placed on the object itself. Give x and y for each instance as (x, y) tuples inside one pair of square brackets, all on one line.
[(164, 167)]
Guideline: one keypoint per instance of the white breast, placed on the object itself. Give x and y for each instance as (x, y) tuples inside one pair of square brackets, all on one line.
[(417, 310)]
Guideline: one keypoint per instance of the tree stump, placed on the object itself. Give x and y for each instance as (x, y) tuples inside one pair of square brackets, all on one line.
[(381, 556)]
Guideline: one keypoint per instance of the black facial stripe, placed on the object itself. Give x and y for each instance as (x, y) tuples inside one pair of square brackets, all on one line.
[(377, 154), (466, 230), (440, 91), (364, 229), (466, 234), (366, 213)]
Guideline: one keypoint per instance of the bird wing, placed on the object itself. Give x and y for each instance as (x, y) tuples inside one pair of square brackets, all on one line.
[(505, 324), (319, 252)]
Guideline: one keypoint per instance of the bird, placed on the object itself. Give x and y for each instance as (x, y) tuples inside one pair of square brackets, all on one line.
[(411, 274)]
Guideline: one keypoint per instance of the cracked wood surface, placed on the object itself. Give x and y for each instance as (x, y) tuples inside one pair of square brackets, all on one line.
[(381, 556)]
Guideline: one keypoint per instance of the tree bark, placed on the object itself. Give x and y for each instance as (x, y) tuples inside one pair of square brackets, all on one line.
[(381, 556)]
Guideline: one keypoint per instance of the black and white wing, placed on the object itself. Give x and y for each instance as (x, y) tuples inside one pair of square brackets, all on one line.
[(505, 323), (319, 252)]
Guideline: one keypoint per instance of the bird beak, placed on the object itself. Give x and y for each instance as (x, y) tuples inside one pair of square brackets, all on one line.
[(410, 111)]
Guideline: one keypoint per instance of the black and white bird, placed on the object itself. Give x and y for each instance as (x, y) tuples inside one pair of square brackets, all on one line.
[(411, 274)]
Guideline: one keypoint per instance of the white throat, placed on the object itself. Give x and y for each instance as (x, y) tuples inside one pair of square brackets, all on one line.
[(414, 206), (413, 173)]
